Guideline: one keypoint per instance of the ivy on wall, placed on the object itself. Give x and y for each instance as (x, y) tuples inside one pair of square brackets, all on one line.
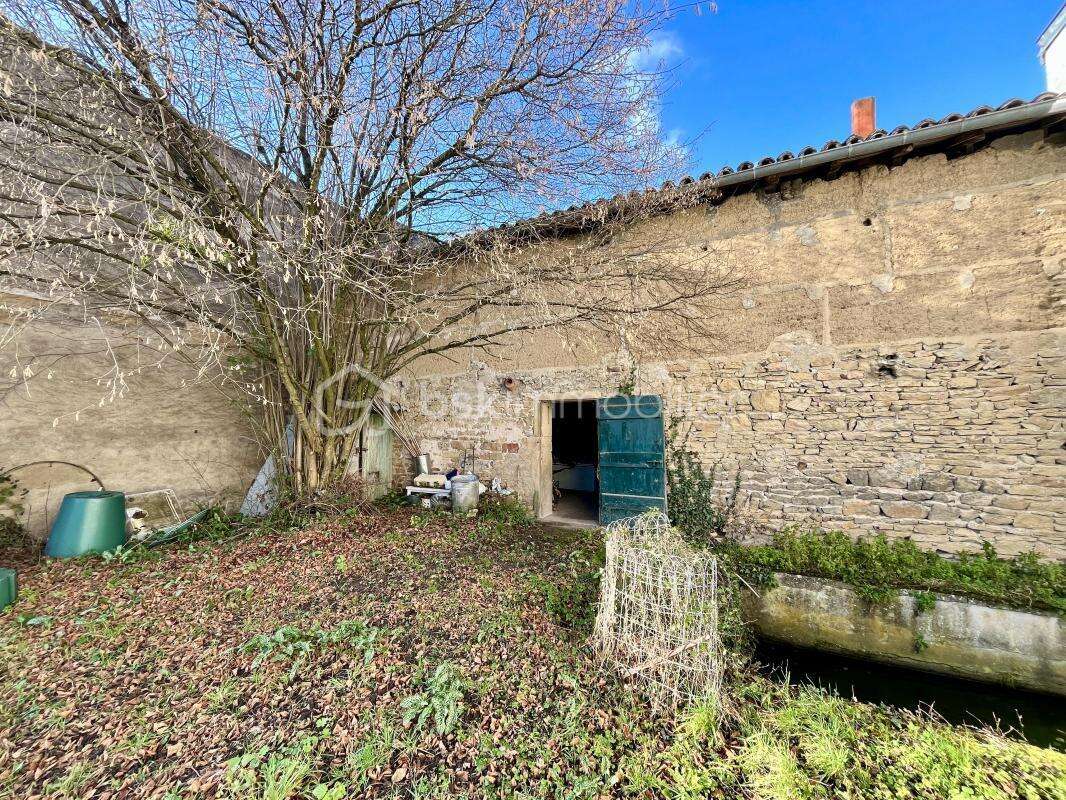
[(693, 504)]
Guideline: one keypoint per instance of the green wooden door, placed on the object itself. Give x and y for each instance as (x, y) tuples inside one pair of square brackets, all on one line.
[(632, 467), (376, 466)]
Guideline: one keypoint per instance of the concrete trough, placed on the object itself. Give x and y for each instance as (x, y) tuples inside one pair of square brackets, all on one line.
[(957, 636)]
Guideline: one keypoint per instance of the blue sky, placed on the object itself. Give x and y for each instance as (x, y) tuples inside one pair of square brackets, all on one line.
[(757, 77)]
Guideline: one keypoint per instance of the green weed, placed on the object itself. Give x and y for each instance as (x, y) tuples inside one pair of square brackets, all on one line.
[(441, 703), (70, 785), (878, 568), (283, 777), (40, 621), (571, 600), (505, 512), (694, 509), (131, 553), (289, 643), (223, 696), (263, 774), (924, 601), (770, 769), (236, 597), (374, 753)]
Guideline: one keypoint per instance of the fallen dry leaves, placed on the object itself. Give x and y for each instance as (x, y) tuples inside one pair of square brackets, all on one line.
[(134, 680)]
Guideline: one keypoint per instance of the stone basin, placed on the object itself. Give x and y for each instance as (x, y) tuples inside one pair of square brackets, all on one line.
[(958, 636)]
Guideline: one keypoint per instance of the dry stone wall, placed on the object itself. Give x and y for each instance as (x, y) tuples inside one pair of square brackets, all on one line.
[(950, 442)]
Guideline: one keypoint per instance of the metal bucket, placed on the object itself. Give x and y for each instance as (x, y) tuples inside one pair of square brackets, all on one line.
[(464, 493), (423, 464)]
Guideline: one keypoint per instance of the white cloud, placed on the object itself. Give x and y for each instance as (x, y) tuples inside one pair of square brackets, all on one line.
[(663, 50), (674, 138)]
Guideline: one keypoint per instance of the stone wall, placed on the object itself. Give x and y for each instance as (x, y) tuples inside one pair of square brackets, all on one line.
[(895, 363), (950, 442)]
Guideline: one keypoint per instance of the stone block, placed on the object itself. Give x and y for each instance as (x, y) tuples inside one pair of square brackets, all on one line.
[(861, 508), (938, 482), (941, 512), (989, 518), (1010, 502), (917, 495), (904, 509), (858, 477), (1039, 522), (830, 424), (766, 400), (884, 477), (975, 499), (1028, 490)]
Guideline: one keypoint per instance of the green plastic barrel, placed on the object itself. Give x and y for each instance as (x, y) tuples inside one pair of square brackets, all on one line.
[(88, 522), (9, 587)]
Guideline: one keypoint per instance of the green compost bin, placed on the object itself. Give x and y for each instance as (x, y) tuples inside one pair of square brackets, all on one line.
[(88, 522), (9, 587)]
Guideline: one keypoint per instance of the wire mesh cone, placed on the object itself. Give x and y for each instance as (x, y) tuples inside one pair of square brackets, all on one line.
[(657, 620)]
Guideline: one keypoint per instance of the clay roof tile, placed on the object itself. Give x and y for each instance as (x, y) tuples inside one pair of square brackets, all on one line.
[(808, 151)]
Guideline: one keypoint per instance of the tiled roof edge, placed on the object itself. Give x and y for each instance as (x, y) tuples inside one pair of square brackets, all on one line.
[(927, 132)]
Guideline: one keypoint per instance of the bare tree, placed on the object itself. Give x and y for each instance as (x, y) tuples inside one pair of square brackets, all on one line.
[(282, 190)]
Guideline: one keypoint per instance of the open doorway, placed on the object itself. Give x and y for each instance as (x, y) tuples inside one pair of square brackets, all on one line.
[(575, 458)]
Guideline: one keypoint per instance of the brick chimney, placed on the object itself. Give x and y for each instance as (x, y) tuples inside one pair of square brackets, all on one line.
[(863, 117)]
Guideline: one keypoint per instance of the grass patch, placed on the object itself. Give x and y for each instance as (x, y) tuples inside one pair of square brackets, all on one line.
[(800, 743)]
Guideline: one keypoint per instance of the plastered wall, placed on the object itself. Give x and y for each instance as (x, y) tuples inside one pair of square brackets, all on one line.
[(95, 396)]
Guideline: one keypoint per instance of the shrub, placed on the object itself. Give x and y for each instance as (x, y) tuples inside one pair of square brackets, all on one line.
[(879, 568), (694, 509), (505, 512), (12, 532)]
